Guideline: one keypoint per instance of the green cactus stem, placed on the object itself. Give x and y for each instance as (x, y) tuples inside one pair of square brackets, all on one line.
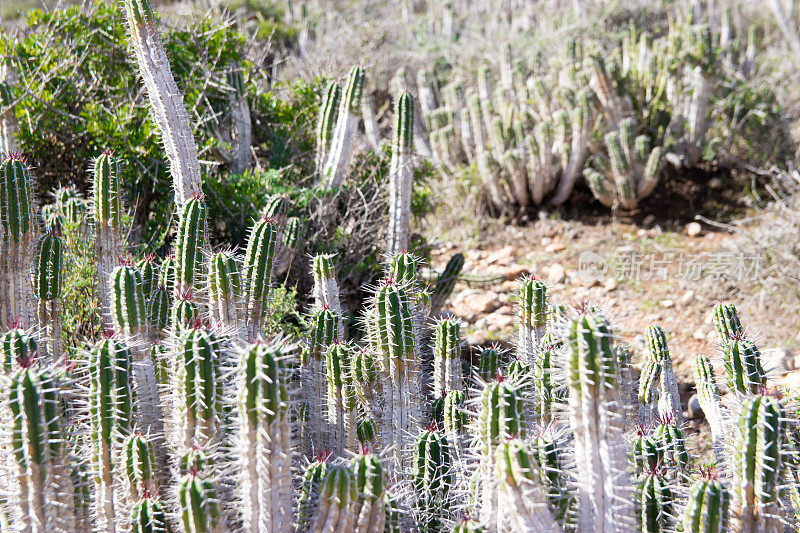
[(401, 174), (335, 168)]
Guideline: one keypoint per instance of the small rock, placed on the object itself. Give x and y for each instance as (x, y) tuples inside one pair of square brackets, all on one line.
[(715, 183), (546, 241), (779, 359), (700, 334), (694, 229), (711, 336), (554, 247), (610, 284), (649, 219), (515, 271), (666, 304), (500, 321), (693, 407), (556, 273), (641, 232), (687, 298), (502, 257)]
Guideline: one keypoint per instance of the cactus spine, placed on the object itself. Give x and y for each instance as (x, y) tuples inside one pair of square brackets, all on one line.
[(265, 440), (401, 174)]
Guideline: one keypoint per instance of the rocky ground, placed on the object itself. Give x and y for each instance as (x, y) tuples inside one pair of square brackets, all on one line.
[(639, 273)]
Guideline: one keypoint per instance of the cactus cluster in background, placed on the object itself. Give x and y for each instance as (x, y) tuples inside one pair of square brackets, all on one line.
[(190, 415)]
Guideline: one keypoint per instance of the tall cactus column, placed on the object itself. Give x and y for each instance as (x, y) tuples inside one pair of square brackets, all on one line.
[(401, 174), (326, 289), (130, 320), (325, 123), (47, 288), (8, 121), (532, 319), (165, 100), (600, 447), (395, 340), (108, 225), (265, 441), (18, 220), (335, 169), (258, 269)]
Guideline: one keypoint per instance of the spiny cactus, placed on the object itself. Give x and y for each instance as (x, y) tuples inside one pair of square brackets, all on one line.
[(708, 396), (658, 381), (18, 220), (198, 501), (148, 515), (489, 363), (42, 493), (16, 345), (342, 397), (370, 508), (138, 466), (669, 438), (224, 285), (743, 366), (108, 224), (656, 501), (258, 263), (166, 103), (324, 332), (726, 321), (523, 503), (190, 245), (401, 175), (395, 341), (111, 411), (707, 508), (334, 171), (265, 440), (757, 465), (532, 319), (326, 289), (447, 358), (325, 122), (432, 478), (603, 485), (48, 273)]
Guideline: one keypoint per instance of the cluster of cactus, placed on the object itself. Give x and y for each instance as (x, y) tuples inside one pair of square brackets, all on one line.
[(190, 416), (531, 126)]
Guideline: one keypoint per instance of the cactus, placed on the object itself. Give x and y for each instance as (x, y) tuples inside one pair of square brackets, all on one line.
[(533, 319), (148, 267), (190, 244), (166, 104), (325, 123), (443, 287), (43, 495), (138, 466), (159, 311), (726, 321), (326, 289), (198, 502), (324, 326), (432, 478), (342, 397), (47, 272), (646, 453), (401, 175), (127, 307), (395, 340), (489, 363), (8, 120), (447, 357), (338, 493), (258, 262), (148, 515), (108, 224), (708, 396), (265, 440), (197, 389), (111, 409), (757, 465), (224, 285), (656, 501), (522, 499), (707, 508), (310, 490), (602, 481), (671, 444), (334, 171), (743, 366), (659, 367), (18, 221), (370, 508), (16, 345)]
